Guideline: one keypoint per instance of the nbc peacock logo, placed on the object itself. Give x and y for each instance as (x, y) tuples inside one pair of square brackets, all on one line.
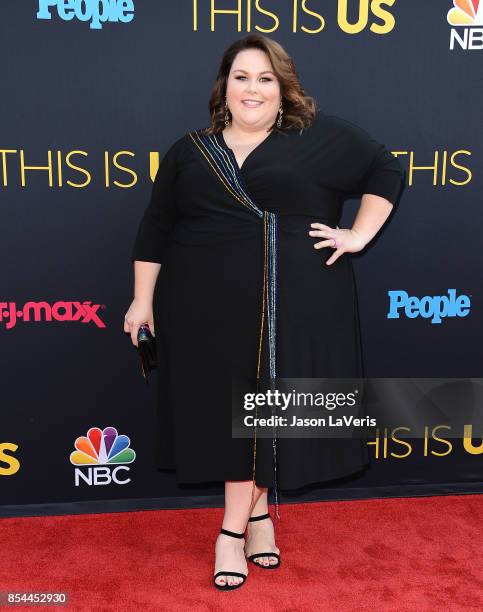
[(467, 14), (102, 457)]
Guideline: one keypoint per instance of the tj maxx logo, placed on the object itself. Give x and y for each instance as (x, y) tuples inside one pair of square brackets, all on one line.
[(43, 311), (96, 12)]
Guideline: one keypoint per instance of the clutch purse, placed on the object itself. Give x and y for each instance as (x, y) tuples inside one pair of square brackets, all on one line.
[(147, 351)]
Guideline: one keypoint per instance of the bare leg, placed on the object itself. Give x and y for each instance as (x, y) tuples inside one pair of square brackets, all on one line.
[(230, 551), (261, 507), (261, 535)]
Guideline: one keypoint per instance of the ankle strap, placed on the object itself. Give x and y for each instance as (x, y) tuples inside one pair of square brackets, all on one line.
[(260, 517), (233, 534)]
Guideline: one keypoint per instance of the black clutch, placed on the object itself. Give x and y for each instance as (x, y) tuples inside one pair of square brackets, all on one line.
[(147, 350)]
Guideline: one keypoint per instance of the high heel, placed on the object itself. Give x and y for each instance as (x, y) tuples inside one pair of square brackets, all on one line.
[(230, 587), (265, 554)]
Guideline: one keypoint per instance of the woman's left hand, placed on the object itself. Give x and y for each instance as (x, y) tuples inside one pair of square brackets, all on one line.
[(342, 240)]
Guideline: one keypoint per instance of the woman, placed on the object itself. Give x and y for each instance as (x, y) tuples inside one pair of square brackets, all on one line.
[(242, 272)]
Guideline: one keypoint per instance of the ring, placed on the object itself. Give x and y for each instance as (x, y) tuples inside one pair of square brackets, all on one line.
[(335, 245)]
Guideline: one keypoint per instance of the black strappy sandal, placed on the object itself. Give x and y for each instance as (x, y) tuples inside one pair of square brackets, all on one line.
[(265, 554), (230, 587)]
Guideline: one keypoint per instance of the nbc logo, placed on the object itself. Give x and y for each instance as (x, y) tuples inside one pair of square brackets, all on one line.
[(103, 455), (467, 15)]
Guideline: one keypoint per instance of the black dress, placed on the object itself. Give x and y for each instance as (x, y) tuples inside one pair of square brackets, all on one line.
[(207, 301)]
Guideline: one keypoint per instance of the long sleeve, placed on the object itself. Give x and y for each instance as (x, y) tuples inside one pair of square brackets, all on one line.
[(160, 214), (360, 163)]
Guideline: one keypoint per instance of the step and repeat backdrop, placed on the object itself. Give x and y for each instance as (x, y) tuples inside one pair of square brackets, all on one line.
[(93, 93)]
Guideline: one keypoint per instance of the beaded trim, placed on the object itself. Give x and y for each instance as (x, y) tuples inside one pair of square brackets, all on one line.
[(224, 165)]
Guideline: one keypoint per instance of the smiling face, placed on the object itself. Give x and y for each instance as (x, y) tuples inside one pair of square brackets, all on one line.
[(252, 91)]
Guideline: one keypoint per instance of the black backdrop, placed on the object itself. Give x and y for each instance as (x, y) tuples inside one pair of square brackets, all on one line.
[(99, 106)]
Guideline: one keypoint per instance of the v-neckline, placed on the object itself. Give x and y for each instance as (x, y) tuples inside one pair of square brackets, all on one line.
[(251, 152)]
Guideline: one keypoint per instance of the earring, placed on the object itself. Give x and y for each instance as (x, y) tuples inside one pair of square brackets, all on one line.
[(227, 117), (280, 113)]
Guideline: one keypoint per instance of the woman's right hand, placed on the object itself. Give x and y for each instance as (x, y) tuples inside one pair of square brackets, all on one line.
[(139, 313)]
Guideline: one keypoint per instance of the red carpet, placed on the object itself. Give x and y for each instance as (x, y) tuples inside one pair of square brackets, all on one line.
[(406, 554)]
